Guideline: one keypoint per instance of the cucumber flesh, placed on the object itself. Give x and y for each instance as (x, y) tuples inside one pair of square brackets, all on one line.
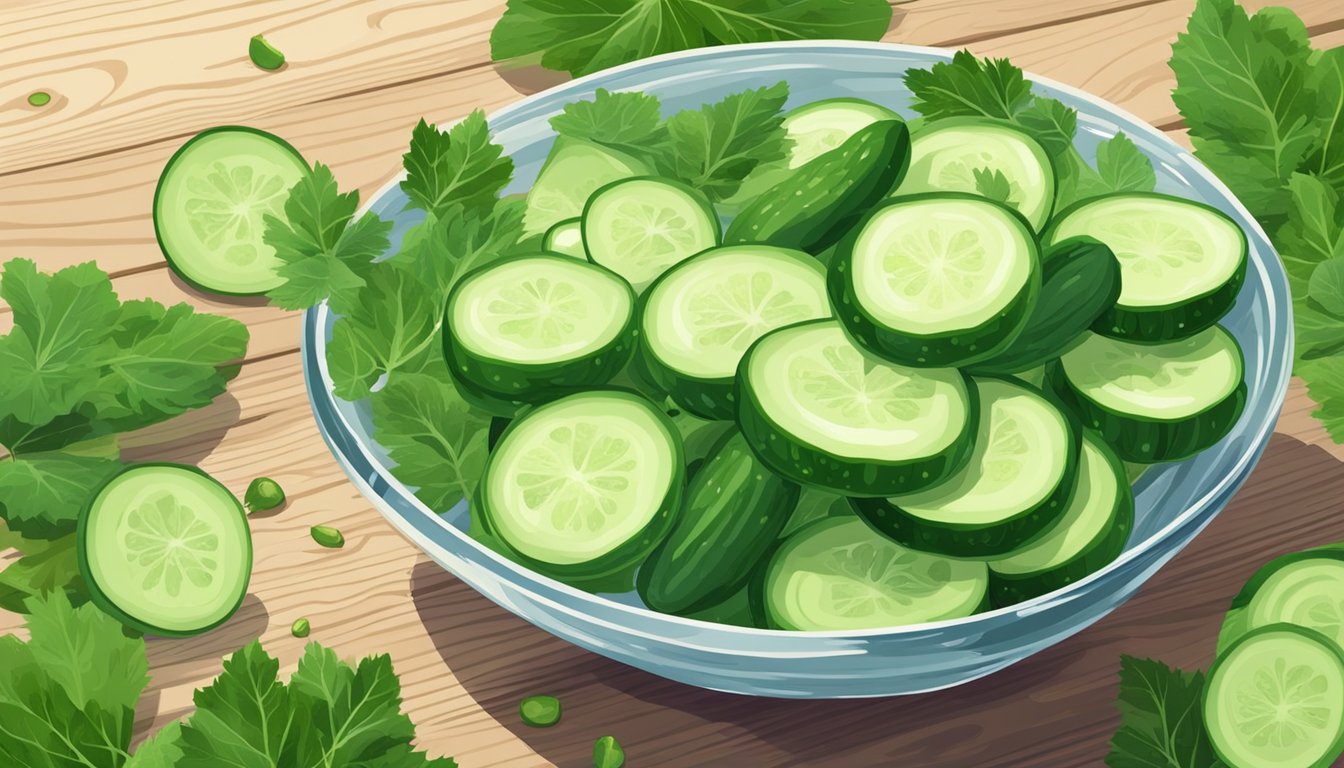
[(1308, 593), (166, 549), (573, 171), (640, 227), (946, 154), (839, 574), (566, 239), (210, 205), (1276, 698)]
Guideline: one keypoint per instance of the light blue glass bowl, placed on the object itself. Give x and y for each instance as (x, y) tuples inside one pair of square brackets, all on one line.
[(1174, 502)]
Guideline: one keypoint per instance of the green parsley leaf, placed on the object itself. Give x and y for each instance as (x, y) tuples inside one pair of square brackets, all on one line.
[(993, 184), (162, 750), (325, 250), (1317, 332), (405, 756), (1326, 81), (46, 566), (441, 249), (41, 494), (1326, 288), (1242, 87), (630, 121), (588, 35), (1121, 167), (713, 148), (1162, 723), (244, 718), (396, 328), (1051, 122), (969, 87), (1324, 378), (460, 166), (352, 713), (84, 651), (1313, 232), (53, 357), (438, 441)]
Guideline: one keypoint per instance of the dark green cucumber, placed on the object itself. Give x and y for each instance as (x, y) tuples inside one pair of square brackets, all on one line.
[(730, 517), (812, 208), (1080, 282), (740, 609)]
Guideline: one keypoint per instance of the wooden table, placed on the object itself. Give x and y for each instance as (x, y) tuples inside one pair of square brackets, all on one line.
[(131, 80)]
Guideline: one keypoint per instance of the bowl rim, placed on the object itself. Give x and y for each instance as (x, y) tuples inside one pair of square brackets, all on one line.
[(523, 578)]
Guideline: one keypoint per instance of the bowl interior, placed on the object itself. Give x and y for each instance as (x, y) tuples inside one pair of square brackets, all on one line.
[(1169, 498)]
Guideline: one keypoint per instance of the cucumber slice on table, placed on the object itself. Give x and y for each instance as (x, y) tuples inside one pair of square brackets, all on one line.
[(839, 574), (573, 171), (732, 513), (566, 239), (697, 320), (166, 549), (1155, 402), (528, 327), (1092, 532), (936, 280), (1016, 484), (1303, 588), (210, 203), (819, 412), (946, 154), (1276, 698), (818, 202), (585, 486), (639, 227), (1080, 282), (1182, 263)]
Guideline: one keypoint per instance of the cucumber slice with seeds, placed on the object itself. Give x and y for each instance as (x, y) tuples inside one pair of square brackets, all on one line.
[(1304, 588), (1016, 484), (1276, 698), (1182, 263), (585, 486), (697, 320), (936, 280), (640, 227), (528, 327), (574, 170), (821, 413), (566, 239), (210, 203), (839, 574), (166, 549), (945, 155), (1155, 402)]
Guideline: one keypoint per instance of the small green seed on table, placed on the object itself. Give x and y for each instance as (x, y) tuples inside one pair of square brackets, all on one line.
[(262, 494), (540, 711), (300, 628), (607, 753), (39, 98), (265, 55), (327, 536)]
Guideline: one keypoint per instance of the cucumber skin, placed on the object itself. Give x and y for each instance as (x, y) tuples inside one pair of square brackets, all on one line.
[(712, 399), (819, 201), (1172, 322), (1141, 440), (1236, 622), (946, 350), (1080, 283), (612, 565), (979, 541), (731, 516), (489, 378), (105, 604), (810, 466), (1006, 589)]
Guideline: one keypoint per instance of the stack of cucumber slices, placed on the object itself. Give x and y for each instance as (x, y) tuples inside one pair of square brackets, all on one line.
[(856, 395)]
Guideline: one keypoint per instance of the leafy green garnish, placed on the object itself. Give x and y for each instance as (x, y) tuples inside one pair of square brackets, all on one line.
[(629, 121), (713, 148), (968, 86), (460, 166), (585, 36), (327, 253), (1266, 113), (1162, 722), (993, 185)]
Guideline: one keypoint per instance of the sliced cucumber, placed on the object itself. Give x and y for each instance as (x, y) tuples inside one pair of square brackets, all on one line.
[(1303, 588), (815, 504), (1090, 534), (583, 487), (210, 203), (739, 610), (945, 155), (1182, 263), (820, 413), (1080, 282), (839, 574), (936, 280), (697, 320), (574, 170), (1276, 698), (1155, 402), (166, 549), (527, 327), (566, 239), (1015, 486), (640, 227)]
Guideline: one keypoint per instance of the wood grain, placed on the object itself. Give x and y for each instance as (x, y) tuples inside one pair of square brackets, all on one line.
[(132, 79)]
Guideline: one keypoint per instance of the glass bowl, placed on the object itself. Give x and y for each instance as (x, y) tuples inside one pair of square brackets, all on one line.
[(1174, 502)]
